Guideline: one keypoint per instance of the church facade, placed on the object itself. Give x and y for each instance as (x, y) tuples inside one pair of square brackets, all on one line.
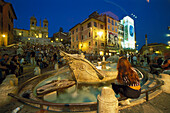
[(35, 31)]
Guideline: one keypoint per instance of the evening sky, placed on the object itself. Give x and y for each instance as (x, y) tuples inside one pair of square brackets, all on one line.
[(153, 18)]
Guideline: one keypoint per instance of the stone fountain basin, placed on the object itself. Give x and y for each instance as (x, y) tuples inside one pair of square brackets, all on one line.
[(31, 85)]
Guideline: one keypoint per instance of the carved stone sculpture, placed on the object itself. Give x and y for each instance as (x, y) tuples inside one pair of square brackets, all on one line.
[(84, 71)]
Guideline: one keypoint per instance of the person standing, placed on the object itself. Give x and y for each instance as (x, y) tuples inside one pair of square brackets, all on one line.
[(33, 58)]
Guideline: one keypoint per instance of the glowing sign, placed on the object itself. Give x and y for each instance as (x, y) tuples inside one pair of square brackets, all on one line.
[(129, 36)]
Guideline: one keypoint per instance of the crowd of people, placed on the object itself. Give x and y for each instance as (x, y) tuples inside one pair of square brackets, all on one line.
[(45, 55)]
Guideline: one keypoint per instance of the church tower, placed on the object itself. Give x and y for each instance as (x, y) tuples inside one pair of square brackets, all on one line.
[(33, 25), (45, 28)]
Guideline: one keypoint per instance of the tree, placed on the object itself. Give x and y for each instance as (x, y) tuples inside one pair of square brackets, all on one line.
[(61, 29)]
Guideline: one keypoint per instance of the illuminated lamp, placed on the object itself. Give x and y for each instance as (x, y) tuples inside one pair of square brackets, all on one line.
[(157, 52), (28, 38), (3, 35), (100, 33), (101, 53)]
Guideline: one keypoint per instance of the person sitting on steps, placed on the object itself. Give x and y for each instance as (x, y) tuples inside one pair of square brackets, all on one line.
[(128, 84)]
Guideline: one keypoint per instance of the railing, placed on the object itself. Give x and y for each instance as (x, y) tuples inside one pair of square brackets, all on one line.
[(152, 89)]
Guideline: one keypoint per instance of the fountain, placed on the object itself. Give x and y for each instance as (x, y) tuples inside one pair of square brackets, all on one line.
[(74, 87)]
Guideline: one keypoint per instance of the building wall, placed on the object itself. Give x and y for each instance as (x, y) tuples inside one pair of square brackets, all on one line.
[(6, 23), (84, 36), (21, 32)]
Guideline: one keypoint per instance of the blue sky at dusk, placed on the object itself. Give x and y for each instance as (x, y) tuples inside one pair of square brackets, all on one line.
[(153, 17)]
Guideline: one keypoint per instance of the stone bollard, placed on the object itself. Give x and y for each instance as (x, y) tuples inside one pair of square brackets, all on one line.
[(56, 66), (9, 85), (107, 102), (37, 71)]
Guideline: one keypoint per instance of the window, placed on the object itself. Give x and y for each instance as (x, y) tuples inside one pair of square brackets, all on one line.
[(82, 37), (77, 38), (115, 23), (95, 43), (77, 30), (45, 25), (112, 22), (116, 29), (109, 20), (12, 20), (101, 26), (89, 43), (102, 44), (73, 32), (108, 26), (77, 46), (95, 52), (9, 14), (89, 24), (95, 24), (73, 46), (32, 23), (73, 39), (89, 34), (9, 27), (112, 28), (1, 9), (82, 28)]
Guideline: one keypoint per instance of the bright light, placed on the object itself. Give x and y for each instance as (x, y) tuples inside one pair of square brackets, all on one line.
[(168, 42), (157, 52), (167, 47), (51, 41), (56, 39), (20, 34), (168, 35), (3, 35), (100, 33), (28, 38), (61, 39), (101, 53)]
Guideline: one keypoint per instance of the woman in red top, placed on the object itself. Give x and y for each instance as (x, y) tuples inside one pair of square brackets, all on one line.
[(128, 80)]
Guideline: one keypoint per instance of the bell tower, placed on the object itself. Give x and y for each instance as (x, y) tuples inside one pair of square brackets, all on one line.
[(45, 28), (33, 24)]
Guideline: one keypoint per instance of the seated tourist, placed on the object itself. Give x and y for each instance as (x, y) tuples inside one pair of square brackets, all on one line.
[(128, 84), (15, 66), (5, 61), (166, 64)]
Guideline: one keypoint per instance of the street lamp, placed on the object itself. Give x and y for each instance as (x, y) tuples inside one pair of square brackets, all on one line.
[(169, 43), (100, 33), (3, 36)]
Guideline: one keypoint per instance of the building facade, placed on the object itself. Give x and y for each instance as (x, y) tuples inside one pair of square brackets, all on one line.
[(158, 48), (98, 34), (62, 37), (7, 16)]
